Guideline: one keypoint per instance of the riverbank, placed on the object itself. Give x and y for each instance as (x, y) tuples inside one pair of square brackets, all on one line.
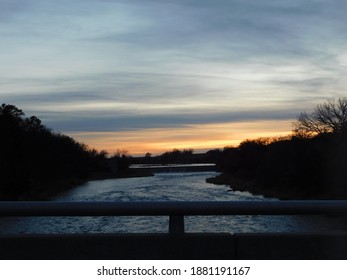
[(48, 191), (249, 185)]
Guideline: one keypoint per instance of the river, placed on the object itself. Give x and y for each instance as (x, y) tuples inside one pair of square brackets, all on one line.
[(179, 186)]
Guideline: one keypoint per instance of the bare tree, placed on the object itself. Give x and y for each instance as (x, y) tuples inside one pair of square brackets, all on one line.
[(327, 117)]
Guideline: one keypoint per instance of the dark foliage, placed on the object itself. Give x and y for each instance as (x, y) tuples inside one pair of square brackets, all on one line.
[(176, 156), (310, 164), (33, 158), (291, 167)]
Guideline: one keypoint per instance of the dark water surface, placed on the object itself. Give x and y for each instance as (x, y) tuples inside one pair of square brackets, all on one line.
[(165, 187)]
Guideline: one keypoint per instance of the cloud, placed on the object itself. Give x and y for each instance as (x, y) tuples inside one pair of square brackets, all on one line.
[(199, 137), (129, 65), (106, 121)]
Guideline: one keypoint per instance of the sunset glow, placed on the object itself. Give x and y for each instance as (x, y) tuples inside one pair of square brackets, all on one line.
[(150, 76), (197, 137)]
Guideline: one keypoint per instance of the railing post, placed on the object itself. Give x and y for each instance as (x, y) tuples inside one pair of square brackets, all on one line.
[(176, 224)]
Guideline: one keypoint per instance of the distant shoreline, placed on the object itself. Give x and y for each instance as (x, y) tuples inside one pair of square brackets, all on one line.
[(243, 184), (56, 188), (158, 168)]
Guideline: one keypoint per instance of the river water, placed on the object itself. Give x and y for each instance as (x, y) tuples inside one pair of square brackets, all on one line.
[(165, 187)]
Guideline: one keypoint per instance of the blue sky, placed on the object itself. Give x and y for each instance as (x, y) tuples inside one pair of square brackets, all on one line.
[(152, 75)]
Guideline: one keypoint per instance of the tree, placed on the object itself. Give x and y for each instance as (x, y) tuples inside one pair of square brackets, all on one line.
[(33, 159), (120, 153), (10, 110), (148, 155), (329, 117)]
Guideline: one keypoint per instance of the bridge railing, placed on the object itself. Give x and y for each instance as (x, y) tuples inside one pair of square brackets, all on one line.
[(176, 210)]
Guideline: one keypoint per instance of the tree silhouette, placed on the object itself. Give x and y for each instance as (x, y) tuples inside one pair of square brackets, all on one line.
[(10, 111), (327, 117), (294, 167), (35, 161)]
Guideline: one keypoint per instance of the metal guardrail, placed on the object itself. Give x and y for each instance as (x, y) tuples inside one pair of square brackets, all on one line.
[(175, 210)]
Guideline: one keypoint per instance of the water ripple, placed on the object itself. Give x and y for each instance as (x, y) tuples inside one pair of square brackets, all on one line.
[(164, 187)]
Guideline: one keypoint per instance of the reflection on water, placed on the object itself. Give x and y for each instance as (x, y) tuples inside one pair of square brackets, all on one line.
[(164, 187)]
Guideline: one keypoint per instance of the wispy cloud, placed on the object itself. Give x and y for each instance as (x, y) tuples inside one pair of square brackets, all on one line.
[(198, 137), (129, 65)]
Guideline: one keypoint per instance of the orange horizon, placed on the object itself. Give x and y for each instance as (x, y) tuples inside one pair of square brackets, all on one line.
[(200, 138)]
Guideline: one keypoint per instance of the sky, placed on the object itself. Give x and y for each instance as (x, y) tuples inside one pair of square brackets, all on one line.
[(153, 75)]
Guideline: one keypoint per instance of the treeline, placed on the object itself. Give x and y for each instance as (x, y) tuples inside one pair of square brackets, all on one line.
[(175, 156), (310, 163), (36, 162), (289, 168)]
